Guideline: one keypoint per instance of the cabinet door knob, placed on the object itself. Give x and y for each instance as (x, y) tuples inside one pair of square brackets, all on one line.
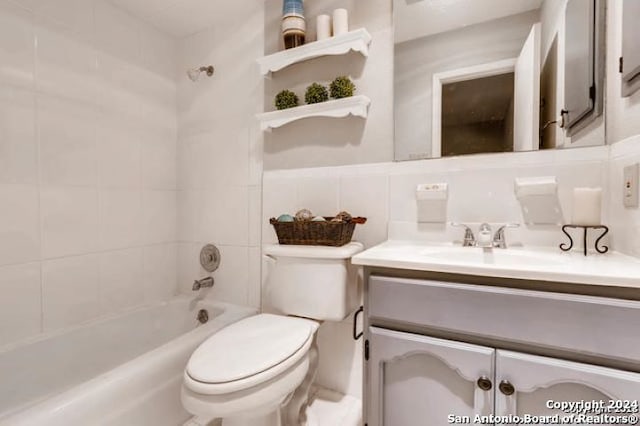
[(506, 388), (484, 383)]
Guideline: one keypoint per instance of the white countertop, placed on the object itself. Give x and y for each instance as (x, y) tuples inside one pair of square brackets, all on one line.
[(542, 264)]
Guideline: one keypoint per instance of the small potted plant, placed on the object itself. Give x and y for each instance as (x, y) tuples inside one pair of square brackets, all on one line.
[(342, 87), (316, 93), (286, 99)]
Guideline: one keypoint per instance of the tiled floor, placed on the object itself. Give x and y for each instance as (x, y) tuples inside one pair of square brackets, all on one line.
[(329, 408)]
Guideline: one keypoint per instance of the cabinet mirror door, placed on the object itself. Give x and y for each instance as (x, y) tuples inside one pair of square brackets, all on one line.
[(525, 384), (630, 60), (414, 377)]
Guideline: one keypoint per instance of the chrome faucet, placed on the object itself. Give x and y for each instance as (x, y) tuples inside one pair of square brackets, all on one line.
[(203, 283), (484, 236), (499, 240), (485, 239), (469, 239)]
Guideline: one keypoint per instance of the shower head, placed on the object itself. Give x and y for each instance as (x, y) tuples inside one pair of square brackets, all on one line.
[(194, 73)]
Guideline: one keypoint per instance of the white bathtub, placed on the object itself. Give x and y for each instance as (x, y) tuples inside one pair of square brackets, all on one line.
[(122, 370)]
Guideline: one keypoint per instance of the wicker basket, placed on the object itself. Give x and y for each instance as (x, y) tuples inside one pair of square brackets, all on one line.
[(316, 233)]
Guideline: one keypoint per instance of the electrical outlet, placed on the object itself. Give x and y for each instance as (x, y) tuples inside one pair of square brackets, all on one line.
[(630, 186)]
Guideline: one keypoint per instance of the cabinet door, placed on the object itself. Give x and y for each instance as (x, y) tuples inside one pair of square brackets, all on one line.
[(415, 379), (536, 380)]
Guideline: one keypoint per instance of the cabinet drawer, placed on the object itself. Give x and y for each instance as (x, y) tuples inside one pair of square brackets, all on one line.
[(588, 325)]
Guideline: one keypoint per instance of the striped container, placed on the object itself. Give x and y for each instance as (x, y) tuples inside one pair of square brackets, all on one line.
[(294, 25)]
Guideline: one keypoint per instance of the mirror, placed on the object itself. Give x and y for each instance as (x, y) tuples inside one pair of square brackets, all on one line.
[(630, 60), (482, 76)]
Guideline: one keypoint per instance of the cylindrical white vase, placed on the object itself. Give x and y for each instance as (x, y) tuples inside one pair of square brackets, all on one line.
[(340, 22), (323, 27)]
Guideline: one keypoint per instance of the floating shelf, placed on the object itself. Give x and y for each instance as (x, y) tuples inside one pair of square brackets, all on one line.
[(357, 106), (357, 40)]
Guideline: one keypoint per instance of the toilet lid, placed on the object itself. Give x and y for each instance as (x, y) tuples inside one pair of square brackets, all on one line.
[(248, 347)]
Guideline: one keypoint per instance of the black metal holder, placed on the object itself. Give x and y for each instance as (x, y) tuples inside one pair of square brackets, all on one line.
[(604, 248)]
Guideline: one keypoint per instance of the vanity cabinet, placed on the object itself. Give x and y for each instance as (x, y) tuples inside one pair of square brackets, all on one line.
[(536, 380), (436, 349), (419, 377)]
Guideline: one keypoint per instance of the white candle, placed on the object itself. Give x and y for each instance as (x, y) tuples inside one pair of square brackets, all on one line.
[(587, 206), (340, 22), (323, 27)]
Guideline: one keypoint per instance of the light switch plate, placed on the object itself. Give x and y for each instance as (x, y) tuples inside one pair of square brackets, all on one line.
[(630, 186)]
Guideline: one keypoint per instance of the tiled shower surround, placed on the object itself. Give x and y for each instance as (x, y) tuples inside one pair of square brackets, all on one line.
[(87, 164)]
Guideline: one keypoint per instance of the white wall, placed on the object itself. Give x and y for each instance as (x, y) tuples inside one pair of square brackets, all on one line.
[(623, 131), (329, 142), (220, 155), (623, 114), (624, 221), (87, 164)]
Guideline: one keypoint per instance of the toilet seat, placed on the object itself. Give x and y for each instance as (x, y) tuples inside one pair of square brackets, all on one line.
[(248, 353)]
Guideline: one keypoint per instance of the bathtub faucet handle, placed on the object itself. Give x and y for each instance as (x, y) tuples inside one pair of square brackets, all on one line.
[(203, 283)]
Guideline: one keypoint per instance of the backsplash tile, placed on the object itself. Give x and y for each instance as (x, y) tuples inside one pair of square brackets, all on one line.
[(481, 188)]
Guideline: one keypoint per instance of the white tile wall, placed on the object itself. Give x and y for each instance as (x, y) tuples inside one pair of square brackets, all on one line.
[(158, 217), (160, 271), (19, 159), (17, 47), (219, 156), (20, 304), (67, 142), (480, 189), (66, 63), (121, 281), (625, 221), (70, 291), (120, 213), (19, 228), (88, 141)]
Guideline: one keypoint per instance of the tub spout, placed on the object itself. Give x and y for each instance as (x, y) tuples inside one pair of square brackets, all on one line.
[(203, 283)]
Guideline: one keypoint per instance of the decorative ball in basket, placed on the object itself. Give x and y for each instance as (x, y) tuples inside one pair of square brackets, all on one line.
[(306, 229)]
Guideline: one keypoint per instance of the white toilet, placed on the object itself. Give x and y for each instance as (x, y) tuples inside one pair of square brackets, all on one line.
[(258, 371)]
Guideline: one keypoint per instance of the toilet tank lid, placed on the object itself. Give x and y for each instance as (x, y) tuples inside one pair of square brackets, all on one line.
[(314, 252)]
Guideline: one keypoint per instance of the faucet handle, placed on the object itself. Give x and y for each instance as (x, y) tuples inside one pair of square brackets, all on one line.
[(499, 239), (469, 239), (507, 225)]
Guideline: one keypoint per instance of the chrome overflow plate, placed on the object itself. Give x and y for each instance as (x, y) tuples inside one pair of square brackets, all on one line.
[(210, 257)]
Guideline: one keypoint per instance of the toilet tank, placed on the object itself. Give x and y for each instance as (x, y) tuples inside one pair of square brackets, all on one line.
[(312, 281)]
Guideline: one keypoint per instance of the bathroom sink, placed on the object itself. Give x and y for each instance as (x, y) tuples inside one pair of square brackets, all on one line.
[(488, 256), (530, 263)]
